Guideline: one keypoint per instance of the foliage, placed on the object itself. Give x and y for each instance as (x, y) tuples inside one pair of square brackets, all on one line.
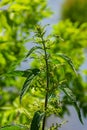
[(74, 45), (75, 10), (14, 127), (17, 18), (43, 81), (35, 125), (15, 25)]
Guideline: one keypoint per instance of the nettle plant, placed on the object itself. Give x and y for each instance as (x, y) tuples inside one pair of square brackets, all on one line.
[(43, 80)]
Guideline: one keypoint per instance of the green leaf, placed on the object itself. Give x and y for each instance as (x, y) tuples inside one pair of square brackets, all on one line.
[(14, 127), (78, 112), (68, 92), (32, 50), (26, 85), (27, 82), (35, 124), (72, 97), (69, 61), (24, 73), (21, 73)]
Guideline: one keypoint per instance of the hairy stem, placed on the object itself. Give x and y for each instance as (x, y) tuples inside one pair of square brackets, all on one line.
[(47, 84)]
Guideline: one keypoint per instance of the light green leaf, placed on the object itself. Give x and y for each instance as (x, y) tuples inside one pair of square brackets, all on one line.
[(18, 7), (35, 124), (68, 60)]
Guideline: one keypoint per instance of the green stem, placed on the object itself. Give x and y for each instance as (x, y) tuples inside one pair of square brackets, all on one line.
[(47, 84)]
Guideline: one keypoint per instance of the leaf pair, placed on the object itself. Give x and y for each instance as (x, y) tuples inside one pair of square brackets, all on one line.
[(29, 74)]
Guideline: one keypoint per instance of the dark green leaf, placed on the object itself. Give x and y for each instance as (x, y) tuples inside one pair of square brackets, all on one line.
[(24, 73), (32, 50), (68, 92), (26, 85), (69, 61), (35, 124), (78, 112), (27, 82), (72, 97)]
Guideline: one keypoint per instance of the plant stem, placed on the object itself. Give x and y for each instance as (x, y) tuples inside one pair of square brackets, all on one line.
[(47, 84)]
